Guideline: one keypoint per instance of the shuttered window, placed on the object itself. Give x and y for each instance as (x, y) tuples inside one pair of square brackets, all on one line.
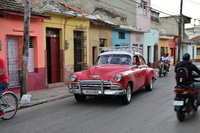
[(144, 8), (31, 56), (198, 51)]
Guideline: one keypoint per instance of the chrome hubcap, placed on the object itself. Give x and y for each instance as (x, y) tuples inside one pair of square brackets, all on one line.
[(152, 84), (128, 93)]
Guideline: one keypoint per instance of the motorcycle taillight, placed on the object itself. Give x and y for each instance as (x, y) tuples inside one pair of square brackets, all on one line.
[(180, 91)]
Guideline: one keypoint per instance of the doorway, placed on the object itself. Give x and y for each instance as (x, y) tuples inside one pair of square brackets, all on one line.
[(79, 51), (53, 55), (155, 55), (13, 61), (94, 54)]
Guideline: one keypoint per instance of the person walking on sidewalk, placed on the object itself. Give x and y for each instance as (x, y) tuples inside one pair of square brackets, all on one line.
[(3, 78)]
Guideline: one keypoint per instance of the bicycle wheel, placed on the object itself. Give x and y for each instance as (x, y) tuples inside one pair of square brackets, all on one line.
[(9, 104)]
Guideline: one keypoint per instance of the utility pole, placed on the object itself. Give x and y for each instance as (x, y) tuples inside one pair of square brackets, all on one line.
[(25, 48), (180, 31)]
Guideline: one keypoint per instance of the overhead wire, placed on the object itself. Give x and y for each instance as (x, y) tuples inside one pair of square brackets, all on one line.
[(147, 7), (198, 3)]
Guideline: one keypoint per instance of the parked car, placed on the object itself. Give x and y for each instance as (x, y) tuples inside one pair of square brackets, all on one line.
[(115, 73)]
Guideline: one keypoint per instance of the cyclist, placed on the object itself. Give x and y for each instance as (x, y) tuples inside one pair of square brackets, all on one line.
[(3, 78)]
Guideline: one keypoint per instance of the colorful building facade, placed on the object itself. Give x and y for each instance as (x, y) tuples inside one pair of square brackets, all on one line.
[(100, 35), (151, 41), (65, 43), (168, 44), (120, 37), (11, 36)]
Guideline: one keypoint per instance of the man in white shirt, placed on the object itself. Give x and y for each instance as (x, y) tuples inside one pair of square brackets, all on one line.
[(166, 59)]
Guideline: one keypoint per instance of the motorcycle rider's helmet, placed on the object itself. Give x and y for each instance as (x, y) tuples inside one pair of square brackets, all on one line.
[(186, 57)]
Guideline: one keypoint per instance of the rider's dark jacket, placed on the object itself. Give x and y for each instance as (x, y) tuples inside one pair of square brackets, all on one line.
[(190, 67)]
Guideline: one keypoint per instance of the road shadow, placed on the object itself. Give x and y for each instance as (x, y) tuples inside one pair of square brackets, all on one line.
[(114, 101)]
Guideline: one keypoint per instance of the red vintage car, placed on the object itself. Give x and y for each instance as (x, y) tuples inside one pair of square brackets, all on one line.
[(115, 73)]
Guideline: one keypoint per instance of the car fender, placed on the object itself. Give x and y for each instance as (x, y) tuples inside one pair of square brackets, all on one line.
[(150, 73), (126, 78), (129, 78)]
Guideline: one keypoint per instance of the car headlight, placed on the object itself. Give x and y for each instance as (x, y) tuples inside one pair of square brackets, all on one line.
[(73, 78), (118, 77)]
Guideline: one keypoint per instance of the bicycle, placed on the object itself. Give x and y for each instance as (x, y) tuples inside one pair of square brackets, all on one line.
[(9, 104)]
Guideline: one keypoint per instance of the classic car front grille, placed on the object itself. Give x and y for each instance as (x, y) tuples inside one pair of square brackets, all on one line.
[(96, 87), (98, 84), (95, 84)]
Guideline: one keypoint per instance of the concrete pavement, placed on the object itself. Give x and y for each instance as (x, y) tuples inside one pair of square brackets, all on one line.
[(45, 95)]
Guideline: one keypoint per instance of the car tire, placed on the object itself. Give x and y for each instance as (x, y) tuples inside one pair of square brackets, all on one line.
[(80, 98), (126, 99), (150, 86)]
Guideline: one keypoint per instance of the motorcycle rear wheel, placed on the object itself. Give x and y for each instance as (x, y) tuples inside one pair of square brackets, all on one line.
[(160, 72), (180, 115), (196, 108)]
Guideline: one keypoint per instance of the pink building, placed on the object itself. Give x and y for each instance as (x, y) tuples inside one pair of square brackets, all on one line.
[(143, 23), (11, 45)]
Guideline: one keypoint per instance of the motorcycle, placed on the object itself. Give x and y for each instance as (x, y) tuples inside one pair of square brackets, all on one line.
[(182, 101), (162, 69)]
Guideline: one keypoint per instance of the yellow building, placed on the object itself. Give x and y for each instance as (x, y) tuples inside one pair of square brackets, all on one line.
[(167, 44), (194, 48), (100, 36), (197, 53), (66, 43)]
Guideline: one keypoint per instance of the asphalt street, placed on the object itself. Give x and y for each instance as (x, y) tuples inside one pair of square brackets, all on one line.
[(148, 112)]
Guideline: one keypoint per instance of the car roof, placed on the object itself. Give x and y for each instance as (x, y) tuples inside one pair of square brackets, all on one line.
[(120, 52)]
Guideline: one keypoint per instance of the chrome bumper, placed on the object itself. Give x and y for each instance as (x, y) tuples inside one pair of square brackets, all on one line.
[(96, 87)]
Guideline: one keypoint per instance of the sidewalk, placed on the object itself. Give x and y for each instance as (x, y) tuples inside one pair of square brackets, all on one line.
[(46, 95)]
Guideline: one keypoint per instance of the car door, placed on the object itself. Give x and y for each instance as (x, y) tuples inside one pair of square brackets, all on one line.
[(137, 72), (143, 67)]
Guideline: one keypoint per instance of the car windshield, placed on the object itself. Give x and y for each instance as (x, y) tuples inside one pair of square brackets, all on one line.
[(113, 59)]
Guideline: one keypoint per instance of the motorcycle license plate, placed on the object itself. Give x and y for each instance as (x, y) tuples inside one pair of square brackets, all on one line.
[(178, 103)]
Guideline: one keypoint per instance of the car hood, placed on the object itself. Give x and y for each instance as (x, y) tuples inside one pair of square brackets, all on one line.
[(102, 72)]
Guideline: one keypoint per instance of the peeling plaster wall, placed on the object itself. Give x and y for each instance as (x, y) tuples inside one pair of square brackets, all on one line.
[(169, 24), (119, 12)]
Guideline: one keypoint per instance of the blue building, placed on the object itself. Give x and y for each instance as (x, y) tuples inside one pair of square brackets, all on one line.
[(151, 40), (120, 37)]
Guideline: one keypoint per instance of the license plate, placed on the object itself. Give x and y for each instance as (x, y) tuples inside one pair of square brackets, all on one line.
[(178, 103), (91, 92)]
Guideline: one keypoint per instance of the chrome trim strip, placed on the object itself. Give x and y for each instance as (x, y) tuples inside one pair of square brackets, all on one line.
[(106, 92)]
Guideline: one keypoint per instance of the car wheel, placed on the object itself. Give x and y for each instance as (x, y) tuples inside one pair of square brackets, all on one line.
[(127, 97), (80, 98), (150, 86)]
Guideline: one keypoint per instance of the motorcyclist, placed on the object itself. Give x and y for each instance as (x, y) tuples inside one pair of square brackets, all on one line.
[(191, 68), (166, 60)]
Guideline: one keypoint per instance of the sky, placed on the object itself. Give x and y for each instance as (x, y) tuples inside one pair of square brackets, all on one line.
[(191, 8)]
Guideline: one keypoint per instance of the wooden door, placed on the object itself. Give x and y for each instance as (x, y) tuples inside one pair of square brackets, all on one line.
[(53, 58)]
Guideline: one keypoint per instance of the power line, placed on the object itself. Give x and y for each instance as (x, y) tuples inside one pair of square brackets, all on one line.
[(152, 8), (194, 2), (148, 9)]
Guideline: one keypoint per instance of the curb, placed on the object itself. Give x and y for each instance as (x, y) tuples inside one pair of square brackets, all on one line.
[(37, 102)]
